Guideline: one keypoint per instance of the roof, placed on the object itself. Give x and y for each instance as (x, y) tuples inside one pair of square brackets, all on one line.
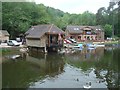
[(39, 30), (74, 29), (4, 32), (79, 29)]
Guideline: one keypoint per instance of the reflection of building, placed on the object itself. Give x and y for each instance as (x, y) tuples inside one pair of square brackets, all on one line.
[(85, 59), (48, 63), (83, 33), (4, 35), (86, 55)]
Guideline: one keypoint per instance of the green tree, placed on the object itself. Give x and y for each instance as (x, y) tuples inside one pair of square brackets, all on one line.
[(108, 30), (100, 19), (118, 23), (88, 18)]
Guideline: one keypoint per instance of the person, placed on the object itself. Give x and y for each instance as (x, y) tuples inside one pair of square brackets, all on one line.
[(23, 41), (60, 42)]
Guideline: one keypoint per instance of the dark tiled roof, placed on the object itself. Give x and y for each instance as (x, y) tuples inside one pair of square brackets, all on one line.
[(74, 29), (79, 29), (40, 30), (4, 32)]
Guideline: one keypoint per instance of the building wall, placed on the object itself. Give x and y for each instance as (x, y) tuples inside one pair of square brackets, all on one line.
[(37, 42), (102, 36), (4, 38), (88, 34), (94, 37)]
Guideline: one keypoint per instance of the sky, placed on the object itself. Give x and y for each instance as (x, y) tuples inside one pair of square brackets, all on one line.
[(75, 6)]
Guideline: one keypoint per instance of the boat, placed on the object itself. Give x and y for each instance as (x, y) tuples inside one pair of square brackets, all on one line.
[(100, 45), (15, 56), (78, 46), (91, 46)]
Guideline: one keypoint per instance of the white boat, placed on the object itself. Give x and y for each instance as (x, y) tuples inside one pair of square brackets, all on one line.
[(91, 46), (100, 45), (15, 56)]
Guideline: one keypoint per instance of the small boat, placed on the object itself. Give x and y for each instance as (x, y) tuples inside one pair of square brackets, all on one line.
[(61, 51), (100, 45), (91, 46), (79, 47), (15, 56), (87, 86)]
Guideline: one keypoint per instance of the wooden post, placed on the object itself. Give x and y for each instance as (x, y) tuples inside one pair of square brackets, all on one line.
[(49, 40), (45, 50)]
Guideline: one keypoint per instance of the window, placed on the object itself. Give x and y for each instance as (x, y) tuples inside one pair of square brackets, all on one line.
[(96, 37), (71, 36), (79, 37), (88, 32), (76, 28)]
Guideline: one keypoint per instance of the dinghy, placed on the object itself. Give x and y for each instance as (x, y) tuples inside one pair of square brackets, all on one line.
[(15, 56)]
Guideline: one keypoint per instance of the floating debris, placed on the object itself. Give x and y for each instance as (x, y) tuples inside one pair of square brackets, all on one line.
[(87, 86), (24, 50)]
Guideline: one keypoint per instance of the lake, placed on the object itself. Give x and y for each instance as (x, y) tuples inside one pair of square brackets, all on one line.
[(53, 70)]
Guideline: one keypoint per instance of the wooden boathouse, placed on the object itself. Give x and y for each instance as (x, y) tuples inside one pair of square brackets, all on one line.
[(47, 37)]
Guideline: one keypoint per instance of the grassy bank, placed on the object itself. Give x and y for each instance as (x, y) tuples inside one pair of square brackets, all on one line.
[(112, 42), (106, 42), (4, 50)]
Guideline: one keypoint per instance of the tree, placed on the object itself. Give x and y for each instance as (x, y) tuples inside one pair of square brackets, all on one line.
[(0, 15), (118, 24), (88, 18), (100, 19), (15, 19), (108, 30)]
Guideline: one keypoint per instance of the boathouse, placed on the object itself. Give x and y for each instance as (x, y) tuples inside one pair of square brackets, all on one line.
[(4, 35), (44, 36), (85, 33)]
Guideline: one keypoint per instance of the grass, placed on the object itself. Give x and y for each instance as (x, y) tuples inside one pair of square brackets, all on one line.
[(112, 42), (106, 42), (4, 50)]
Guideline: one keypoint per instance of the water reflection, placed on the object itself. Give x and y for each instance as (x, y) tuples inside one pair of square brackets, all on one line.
[(103, 60), (29, 69), (35, 69)]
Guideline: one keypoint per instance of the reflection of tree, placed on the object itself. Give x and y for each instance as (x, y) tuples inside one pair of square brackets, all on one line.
[(19, 74), (24, 72), (85, 63), (109, 67)]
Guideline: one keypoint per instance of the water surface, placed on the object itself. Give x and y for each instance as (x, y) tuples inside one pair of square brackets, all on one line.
[(37, 70)]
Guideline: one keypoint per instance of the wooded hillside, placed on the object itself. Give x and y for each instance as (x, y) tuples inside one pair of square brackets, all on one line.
[(18, 17)]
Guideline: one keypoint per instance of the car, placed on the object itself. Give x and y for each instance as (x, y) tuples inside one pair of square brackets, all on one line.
[(18, 39), (67, 41), (13, 43), (72, 40)]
